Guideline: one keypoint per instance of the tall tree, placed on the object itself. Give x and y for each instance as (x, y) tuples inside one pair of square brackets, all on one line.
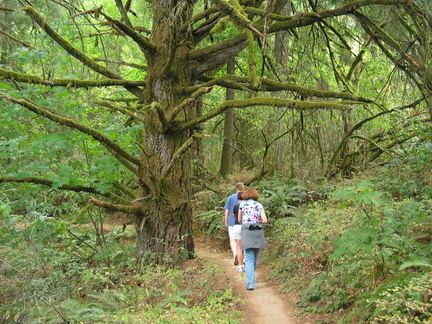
[(179, 54), (227, 149)]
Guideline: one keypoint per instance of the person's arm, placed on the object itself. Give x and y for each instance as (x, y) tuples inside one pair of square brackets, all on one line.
[(226, 216), (239, 217), (263, 216)]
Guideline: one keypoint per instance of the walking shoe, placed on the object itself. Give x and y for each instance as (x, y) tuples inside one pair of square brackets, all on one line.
[(249, 288), (240, 269), (235, 260)]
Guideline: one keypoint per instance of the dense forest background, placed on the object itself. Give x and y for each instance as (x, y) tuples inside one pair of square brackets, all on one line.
[(125, 124)]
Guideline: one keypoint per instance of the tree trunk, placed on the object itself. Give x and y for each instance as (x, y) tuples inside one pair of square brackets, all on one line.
[(280, 51), (227, 150), (165, 223)]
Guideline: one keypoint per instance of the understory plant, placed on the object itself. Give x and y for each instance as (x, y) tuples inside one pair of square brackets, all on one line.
[(67, 269), (356, 253)]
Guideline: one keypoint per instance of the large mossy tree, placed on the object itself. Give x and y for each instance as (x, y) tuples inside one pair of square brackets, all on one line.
[(172, 55)]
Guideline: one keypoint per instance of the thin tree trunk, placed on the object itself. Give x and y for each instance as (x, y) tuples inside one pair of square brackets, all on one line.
[(228, 145)]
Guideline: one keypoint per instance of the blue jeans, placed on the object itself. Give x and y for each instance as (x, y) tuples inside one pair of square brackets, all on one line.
[(251, 259)]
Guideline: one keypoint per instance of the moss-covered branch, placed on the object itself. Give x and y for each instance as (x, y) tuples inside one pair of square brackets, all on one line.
[(268, 102), (292, 22), (69, 83), (376, 32), (75, 52), (161, 114), (67, 46), (75, 188), (125, 158), (6, 9), (120, 208), (306, 19), (15, 39), (244, 83), (195, 96), (205, 14), (136, 66), (141, 41), (128, 112), (186, 145), (356, 127)]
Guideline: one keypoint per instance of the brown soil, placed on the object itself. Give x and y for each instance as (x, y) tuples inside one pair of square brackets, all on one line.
[(262, 305)]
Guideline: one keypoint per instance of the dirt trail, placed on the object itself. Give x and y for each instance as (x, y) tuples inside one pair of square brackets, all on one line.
[(264, 305)]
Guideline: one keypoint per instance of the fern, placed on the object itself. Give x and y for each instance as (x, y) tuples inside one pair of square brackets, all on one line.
[(415, 263)]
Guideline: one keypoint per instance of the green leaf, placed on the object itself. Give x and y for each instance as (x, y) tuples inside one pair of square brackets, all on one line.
[(5, 86), (415, 263)]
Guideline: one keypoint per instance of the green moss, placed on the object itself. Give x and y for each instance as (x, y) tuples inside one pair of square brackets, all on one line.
[(221, 26), (21, 77)]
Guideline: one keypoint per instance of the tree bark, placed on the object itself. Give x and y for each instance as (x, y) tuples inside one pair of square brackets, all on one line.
[(227, 149), (165, 224)]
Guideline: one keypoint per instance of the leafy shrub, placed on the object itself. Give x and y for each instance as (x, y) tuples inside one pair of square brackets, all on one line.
[(281, 198), (62, 272), (410, 174), (354, 252), (410, 303)]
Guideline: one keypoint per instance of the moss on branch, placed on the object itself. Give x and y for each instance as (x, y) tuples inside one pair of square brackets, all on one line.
[(244, 83), (120, 208), (269, 102), (201, 15), (144, 43), (20, 77), (75, 188), (67, 46), (195, 96), (6, 9), (308, 18), (94, 83), (15, 39), (133, 113), (62, 119), (33, 79), (235, 11)]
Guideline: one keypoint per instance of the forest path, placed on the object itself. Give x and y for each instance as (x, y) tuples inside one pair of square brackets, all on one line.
[(264, 305)]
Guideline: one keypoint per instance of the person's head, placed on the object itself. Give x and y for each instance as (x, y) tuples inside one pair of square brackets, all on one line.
[(239, 196), (239, 186), (250, 193)]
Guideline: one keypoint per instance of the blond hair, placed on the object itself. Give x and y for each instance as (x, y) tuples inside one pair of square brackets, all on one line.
[(239, 186)]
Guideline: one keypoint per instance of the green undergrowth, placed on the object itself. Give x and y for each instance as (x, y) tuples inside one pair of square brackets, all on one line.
[(79, 270), (363, 254)]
